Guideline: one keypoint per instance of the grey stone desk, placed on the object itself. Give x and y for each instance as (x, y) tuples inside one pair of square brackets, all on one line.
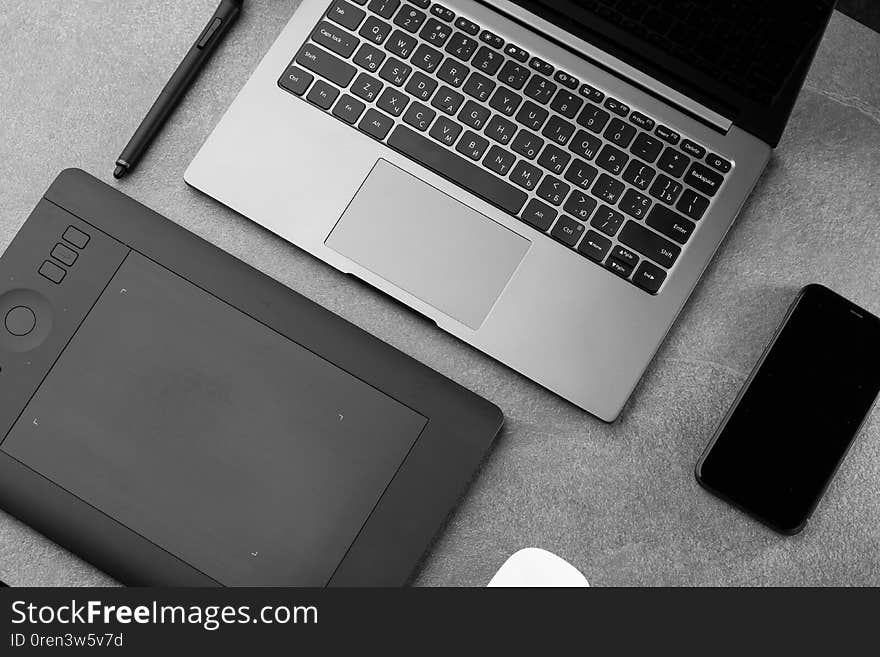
[(618, 501)]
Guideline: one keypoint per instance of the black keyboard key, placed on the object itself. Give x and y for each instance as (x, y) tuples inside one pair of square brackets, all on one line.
[(538, 214), (442, 13), (673, 162), (517, 53), (616, 106), (692, 204), (421, 4), (472, 145), (607, 220), (426, 58), (638, 174), (567, 230), (410, 19), (579, 205), (392, 101), (461, 46), (646, 147), (499, 160), (542, 67), (566, 80), (478, 86), (580, 173), (624, 255), (296, 81), (447, 100), (487, 61), (554, 159), (322, 94), (400, 44), (670, 223), (369, 57), (474, 115), (667, 134), (666, 189), (592, 94), (492, 39), (608, 189), (566, 103), (376, 124), (558, 130), (525, 175), (649, 277), (634, 204), (465, 25), (452, 72), (346, 14), (612, 159), (718, 162), (622, 269), (505, 101), (540, 89), (500, 129), (366, 87), (649, 244), (419, 116), (585, 145), (514, 75), (620, 133), (644, 122), (327, 66), (421, 86), (445, 131), (335, 39), (349, 109), (703, 179), (435, 32), (527, 144), (395, 71), (552, 190), (532, 116), (375, 30), (692, 149), (385, 8), (593, 118), (594, 246)]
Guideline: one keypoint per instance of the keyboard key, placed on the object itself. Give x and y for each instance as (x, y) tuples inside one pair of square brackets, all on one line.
[(335, 39), (566, 103), (532, 116), (442, 13), (608, 189), (542, 67), (692, 204), (472, 145), (538, 214), (540, 89), (385, 8), (419, 116), (492, 39), (478, 86), (461, 46), (585, 145), (616, 106), (500, 129), (624, 255), (327, 66), (554, 159), (452, 72), (667, 134), (375, 30), (566, 80), (579, 205), (392, 101), (346, 14), (514, 75), (666, 189), (395, 71), (649, 244), (646, 147), (410, 19), (718, 162), (376, 124), (445, 131), (622, 269), (421, 4), (366, 87), (558, 130), (488, 61), (703, 179), (649, 277), (671, 224), (638, 174), (692, 149), (525, 175), (465, 25), (580, 173), (295, 80), (435, 32), (474, 115), (594, 246), (499, 160), (421, 86), (673, 162), (349, 109), (505, 101), (426, 58), (400, 44), (644, 122), (612, 159), (369, 57), (634, 204), (620, 133), (517, 53), (447, 100), (322, 94), (593, 118), (553, 190), (607, 220), (567, 230), (591, 93), (527, 144)]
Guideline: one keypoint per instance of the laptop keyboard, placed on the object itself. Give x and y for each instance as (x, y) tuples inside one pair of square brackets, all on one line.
[(604, 180)]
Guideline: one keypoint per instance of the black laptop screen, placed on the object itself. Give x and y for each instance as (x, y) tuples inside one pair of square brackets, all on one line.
[(745, 59)]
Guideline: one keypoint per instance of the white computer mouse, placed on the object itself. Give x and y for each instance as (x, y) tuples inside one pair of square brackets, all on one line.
[(537, 567)]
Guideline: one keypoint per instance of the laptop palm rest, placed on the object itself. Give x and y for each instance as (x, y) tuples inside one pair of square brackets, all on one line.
[(427, 243)]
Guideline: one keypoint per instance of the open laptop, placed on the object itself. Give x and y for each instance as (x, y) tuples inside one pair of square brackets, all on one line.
[(545, 179)]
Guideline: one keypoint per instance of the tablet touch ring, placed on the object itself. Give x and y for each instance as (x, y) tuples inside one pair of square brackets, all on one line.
[(27, 320)]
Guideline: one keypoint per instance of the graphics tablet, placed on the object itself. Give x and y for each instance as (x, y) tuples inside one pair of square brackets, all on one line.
[(178, 418)]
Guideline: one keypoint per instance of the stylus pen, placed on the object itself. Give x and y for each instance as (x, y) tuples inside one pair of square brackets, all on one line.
[(183, 77)]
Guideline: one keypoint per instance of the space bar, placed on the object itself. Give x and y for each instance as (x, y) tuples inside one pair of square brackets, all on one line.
[(457, 169)]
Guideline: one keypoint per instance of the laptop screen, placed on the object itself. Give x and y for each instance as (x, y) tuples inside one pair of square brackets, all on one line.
[(744, 59)]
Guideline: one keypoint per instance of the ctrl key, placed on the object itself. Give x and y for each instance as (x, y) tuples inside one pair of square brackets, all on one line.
[(649, 277), (296, 80)]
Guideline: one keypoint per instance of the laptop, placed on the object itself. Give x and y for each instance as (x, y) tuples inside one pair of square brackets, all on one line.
[(545, 179)]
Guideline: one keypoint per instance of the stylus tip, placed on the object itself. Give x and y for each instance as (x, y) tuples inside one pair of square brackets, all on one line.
[(119, 171)]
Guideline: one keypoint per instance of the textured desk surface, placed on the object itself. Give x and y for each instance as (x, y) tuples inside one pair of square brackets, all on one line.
[(618, 501)]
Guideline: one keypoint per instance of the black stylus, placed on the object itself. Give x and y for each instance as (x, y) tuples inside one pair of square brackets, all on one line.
[(177, 86)]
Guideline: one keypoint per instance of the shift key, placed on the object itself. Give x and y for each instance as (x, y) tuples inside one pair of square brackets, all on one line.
[(649, 244), (326, 65)]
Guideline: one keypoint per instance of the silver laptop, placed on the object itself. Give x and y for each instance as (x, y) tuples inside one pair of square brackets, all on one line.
[(544, 179)]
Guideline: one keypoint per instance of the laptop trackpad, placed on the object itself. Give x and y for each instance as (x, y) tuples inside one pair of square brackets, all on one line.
[(427, 243)]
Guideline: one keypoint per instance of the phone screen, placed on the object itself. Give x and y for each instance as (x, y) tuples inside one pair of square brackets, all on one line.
[(792, 424)]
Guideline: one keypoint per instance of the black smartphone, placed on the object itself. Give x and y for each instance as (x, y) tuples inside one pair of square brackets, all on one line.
[(791, 425)]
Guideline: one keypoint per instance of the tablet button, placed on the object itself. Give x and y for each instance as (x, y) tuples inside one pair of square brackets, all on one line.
[(20, 321), (64, 254), (52, 271), (76, 237)]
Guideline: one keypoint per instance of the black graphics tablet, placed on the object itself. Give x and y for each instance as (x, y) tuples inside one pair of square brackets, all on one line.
[(178, 418)]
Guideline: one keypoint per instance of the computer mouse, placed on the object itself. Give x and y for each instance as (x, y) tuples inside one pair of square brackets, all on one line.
[(537, 567)]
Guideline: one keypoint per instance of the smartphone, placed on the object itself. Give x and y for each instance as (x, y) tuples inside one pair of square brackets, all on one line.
[(791, 425)]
